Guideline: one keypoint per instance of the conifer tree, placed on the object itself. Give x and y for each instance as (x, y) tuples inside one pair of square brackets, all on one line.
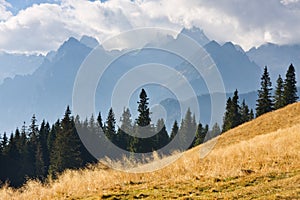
[(4, 142), (134, 141), (13, 160), (52, 135), (40, 166), (235, 114), (174, 130), (32, 145), (161, 137), (89, 130), (99, 120), (228, 116), (42, 156), (26, 168), (143, 128), (187, 130), (92, 125), (236, 109), (290, 89), (264, 102), (200, 135), (125, 131), (143, 109), (66, 149), (110, 128), (245, 113), (278, 97)]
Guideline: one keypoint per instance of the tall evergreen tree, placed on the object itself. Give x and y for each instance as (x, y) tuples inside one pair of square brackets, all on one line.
[(42, 156), (174, 130), (200, 135), (290, 89), (187, 130), (245, 113), (99, 120), (143, 109), (278, 97), (52, 136), (125, 131), (144, 128), (235, 114), (110, 128), (4, 142), (27, 166), (264, 102), (228, 116), (92, 126), (236, 109), (162, 137), (32, 144), (66, 149)]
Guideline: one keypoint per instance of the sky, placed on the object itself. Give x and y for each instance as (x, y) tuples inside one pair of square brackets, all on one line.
[(38, 26)]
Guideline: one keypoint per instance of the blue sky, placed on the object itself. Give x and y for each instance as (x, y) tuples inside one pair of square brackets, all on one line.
[(38, 26), (17, 5)]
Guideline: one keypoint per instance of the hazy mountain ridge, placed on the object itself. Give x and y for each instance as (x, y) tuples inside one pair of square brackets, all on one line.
[(276, 57), (13, 64), (48, 90)]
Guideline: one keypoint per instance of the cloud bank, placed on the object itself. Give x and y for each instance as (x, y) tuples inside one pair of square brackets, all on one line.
[(43, 27)]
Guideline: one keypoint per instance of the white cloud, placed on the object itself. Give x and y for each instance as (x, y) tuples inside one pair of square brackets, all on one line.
[(4, 13), (287, 2), (44, 27)]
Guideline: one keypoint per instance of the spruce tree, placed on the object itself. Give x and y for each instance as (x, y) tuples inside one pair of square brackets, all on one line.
[(143, 109), (200, 135), (290, 89), (27, 166), (13, 162), (99, 120), (52, 136), (228, 116), (42, 156), (110, 128), (174, 130), (32, 144), (264, 102), (161, 137), (92, 124), (125, 131), (278, 97), (235, 109), (4, 142), (144, 128), (187, 130), (66, 148), (245, 113), (234, 113), (134, 141)]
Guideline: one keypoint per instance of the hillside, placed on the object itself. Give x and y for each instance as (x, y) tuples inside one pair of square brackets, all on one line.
[(259, 159)]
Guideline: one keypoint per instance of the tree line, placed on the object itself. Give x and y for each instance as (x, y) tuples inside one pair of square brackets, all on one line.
[(39, 152), (267, 101), (42, 151)]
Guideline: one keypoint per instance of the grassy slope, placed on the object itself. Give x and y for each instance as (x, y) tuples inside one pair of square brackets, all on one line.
[(259, 159)]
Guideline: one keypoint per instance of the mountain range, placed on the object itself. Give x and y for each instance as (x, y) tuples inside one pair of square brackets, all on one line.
[(43, 85)]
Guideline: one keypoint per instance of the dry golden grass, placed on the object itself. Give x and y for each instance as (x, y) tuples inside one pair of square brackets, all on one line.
[(259, 159)]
